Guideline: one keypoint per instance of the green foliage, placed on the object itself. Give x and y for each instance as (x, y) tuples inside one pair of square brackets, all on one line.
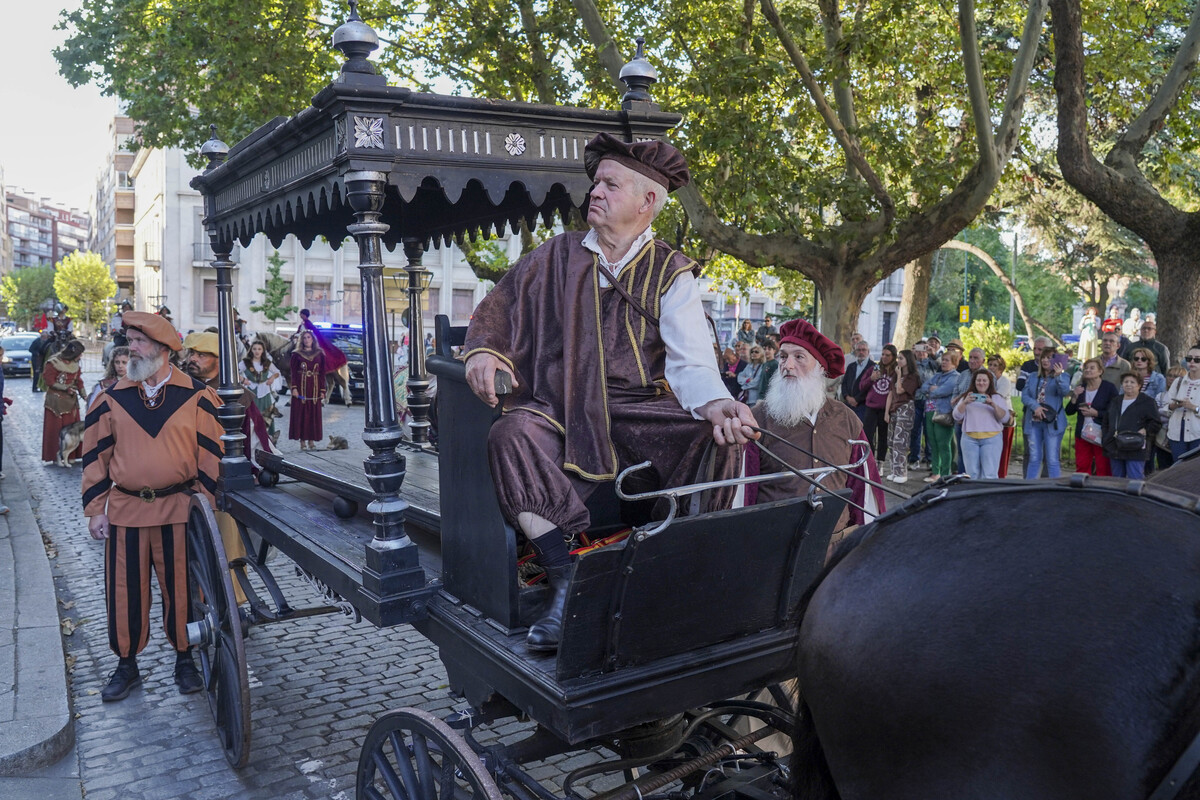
[(274, 292), (1047, 296), (1143, 296), (234, 64), (1082, 244), (84, 283), (24, 290), (989, 335)]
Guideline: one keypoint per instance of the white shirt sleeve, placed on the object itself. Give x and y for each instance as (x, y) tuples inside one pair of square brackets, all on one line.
[(691, 364)]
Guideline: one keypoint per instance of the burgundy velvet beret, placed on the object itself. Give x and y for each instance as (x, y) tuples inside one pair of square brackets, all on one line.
[(658, 161), (822, 348)]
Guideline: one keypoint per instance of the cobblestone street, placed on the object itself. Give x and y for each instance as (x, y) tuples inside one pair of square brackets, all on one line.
[(317, 683)]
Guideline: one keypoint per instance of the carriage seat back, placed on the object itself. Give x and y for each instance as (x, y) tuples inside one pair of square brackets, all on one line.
[(704, 580), (479, 549)]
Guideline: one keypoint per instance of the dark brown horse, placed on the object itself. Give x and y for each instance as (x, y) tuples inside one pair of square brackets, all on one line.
[(998, 641)]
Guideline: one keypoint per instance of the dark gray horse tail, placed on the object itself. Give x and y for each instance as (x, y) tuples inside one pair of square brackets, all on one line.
[(811, 779)]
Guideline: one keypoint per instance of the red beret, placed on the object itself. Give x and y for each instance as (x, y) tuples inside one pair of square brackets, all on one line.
[(154, 326), (822, 348), (658, 161)]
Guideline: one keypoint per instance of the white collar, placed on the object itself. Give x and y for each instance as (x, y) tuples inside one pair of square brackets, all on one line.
[(152, 388), (591, 241)]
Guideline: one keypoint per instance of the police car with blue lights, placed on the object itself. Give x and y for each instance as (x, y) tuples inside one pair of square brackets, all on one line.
[(348, 339)]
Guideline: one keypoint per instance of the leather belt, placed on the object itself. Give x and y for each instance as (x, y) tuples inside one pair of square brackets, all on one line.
[(150, 495)]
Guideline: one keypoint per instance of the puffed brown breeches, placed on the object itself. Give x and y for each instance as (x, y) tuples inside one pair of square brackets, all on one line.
[(129, 555), (526, 453)]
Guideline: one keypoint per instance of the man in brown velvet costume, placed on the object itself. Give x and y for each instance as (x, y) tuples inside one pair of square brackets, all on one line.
[(797, 409), (603, 377)]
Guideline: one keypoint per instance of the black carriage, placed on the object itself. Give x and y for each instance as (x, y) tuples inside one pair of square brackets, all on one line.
[(663, 627)]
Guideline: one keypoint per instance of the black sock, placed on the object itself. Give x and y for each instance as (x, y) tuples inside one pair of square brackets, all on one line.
[(130, 661), (185, 655), (551, 549)]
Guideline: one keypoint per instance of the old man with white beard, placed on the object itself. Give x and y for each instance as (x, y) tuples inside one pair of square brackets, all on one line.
[(797, 409)]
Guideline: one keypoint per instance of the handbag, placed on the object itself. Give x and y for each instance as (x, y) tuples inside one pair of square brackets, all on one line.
[(944, 419), (1129, 441), (1091, 432)]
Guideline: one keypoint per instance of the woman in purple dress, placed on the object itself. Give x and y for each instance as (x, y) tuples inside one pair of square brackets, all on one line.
[(308, 392)]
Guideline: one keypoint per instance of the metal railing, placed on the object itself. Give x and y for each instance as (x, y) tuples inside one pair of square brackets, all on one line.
[(202, 253)]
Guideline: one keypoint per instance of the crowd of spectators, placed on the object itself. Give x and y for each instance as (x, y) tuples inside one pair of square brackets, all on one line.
[(957, 411)]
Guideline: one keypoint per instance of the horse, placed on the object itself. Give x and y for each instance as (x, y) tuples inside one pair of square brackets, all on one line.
[(281, 347), (992, 640), (1184, 474)]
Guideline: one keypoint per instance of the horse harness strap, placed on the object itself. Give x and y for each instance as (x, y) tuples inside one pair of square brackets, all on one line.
[(1180, 772)]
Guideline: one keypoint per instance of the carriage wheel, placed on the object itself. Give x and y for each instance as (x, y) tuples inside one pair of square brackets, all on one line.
[(412, 755), (217, 633)]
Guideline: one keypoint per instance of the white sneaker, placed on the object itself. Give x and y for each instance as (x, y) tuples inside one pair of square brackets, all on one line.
[(900, 480)]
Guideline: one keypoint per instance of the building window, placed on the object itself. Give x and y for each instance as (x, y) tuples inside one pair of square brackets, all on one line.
[(352, 304), (462, 304), (889, 322), (757, 310), (731, 310), (318, 301), (208, 296)]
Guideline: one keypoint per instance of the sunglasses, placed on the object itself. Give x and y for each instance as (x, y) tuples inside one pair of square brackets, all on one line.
[(1191, 359), (1140, 358)]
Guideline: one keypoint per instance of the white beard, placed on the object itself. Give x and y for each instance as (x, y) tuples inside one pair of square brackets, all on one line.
[(143, 369), (791, 400)]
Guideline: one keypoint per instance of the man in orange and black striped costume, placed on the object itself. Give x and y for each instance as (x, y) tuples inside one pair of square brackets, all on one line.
[(151, 441)]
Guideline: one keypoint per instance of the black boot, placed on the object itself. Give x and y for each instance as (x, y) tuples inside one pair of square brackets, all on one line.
[(545, 634), (122, 681), (186, 677)]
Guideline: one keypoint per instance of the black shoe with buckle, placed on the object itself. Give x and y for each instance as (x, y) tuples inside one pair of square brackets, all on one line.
[(186, 677), (122, 681)]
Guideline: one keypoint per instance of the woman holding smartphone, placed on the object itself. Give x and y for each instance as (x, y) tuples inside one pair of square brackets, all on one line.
[(1046, 423), (982, 411)]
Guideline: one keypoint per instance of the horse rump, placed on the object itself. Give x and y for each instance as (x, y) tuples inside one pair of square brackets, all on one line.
[(1028, 640)]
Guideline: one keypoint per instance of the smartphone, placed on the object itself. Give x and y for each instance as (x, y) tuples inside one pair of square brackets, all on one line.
[(503, 383), (979, 398), (1060, 360)]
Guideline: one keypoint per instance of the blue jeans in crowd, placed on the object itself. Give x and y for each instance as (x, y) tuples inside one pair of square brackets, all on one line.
[(1123, 468), (981, 457), (1043, 440), (1179, 448)]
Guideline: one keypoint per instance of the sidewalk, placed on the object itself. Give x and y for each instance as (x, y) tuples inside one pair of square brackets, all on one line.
[(36, 727)]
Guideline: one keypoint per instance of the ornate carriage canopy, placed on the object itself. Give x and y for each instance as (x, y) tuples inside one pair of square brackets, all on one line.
[(455, 166)]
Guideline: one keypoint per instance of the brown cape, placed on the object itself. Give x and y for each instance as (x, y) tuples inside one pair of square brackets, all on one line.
[(545, 320)]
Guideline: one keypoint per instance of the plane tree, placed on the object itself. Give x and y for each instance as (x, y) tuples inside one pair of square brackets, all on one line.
[(1128, 100), (835, 142)]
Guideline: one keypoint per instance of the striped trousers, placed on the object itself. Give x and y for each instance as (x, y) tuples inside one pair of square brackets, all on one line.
[(129, 555)]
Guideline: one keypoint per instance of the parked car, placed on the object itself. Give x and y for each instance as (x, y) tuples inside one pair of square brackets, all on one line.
[(349, 339), (17, 358)]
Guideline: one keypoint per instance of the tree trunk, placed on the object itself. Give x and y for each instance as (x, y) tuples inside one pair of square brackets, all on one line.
[(841, 304), (1179, 307), (914, 305)]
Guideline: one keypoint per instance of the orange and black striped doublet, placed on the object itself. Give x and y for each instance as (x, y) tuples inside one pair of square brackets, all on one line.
[(133, 446), (128, 444)]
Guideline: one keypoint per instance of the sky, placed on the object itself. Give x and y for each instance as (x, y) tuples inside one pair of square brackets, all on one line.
[(53, 138)]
